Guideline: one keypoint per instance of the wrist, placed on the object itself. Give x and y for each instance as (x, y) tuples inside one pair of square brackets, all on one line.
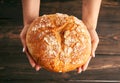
[(90, 25), (28, 20)]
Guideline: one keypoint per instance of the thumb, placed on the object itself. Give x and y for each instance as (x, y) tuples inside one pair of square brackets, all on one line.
[(94, 45)]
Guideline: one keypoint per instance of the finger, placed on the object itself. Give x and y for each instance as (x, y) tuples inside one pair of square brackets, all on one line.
[(94, 42), (23, 49), (31, 61), (84, 67), (79, 69), (94, 47), (23, 36), (23, 41), (37, 67)]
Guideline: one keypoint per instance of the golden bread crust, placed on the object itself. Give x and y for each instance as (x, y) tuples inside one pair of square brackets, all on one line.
[(58, 42)]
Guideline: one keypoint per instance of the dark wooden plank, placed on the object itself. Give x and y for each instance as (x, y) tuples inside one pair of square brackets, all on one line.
[(109, 34), (16, 67), (61, 81)]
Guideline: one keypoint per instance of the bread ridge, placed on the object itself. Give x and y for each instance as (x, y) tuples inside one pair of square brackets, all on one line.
[(59, 31)]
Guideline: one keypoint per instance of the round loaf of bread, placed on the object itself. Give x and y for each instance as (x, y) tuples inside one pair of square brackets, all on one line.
[(58, 42)]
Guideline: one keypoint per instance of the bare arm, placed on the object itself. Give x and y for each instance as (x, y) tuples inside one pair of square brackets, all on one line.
[(30, 12), (90, 12)]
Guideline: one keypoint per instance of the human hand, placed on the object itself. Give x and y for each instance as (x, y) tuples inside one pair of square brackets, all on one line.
[(94, 43), (25, 49)]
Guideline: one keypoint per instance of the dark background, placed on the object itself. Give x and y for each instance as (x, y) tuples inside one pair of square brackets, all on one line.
[(14, 66)]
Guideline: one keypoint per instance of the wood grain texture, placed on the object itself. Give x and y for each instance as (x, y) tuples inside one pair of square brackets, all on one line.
[(14, 65), (15, 68)]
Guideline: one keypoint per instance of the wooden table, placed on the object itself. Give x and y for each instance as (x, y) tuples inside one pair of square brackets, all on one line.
[(15, 68)]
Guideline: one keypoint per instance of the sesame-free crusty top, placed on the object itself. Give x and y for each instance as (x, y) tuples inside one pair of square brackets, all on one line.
[(58, 42)]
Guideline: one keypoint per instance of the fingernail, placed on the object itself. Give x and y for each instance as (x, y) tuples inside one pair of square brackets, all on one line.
[(37, 68), (79, 70), (93, 54), (33, 65), (84, 69), (23, 50)]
